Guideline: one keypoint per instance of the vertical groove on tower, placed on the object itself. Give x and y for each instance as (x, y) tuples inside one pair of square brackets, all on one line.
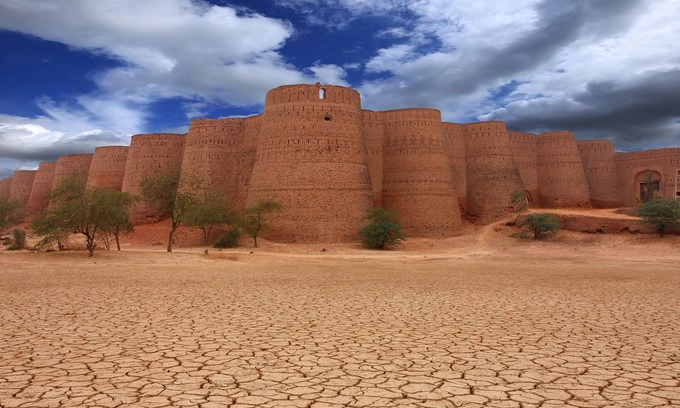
[(246, 159), (374, 135), (311, 156), (524, 147), (417, 179), (454, 143)]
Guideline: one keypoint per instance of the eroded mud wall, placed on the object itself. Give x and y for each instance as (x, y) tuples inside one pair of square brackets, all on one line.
[(42, 185), (107, 169), (561, 178)]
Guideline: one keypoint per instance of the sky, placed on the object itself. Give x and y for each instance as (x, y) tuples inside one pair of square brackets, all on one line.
[(77, 74)]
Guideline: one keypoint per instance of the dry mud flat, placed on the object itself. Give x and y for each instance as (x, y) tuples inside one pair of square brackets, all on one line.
[(487, 321)]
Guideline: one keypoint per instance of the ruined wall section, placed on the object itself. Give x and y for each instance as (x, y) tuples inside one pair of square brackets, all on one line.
[(246, 159), (107, 169), (77, 165), (598, 163), (454, 145), (20, 189), (629, 165), (561, 178), (374, 134), (311, 157), (524, 147), (5, 184), (42, 185), (150, 154), (417, 180), (491, 171), (212, 151)]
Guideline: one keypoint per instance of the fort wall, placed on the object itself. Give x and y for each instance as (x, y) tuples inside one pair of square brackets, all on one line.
[(417, 180), (454, 145), (635, 168), (20, 189), (561, 178), (491, 171), (42, 186), (312, 158), (107, 169), (524, 147), (597, 157), (5, 184), (150, 154)]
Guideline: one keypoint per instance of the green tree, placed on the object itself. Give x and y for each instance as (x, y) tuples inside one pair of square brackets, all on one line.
[(662, 213), (76, 209), (9, 213), (382, 230), (172, 195), (254, 218), (542, 224), (211, 209), (117, 219)]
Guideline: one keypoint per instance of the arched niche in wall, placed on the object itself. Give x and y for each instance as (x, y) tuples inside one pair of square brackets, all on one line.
[(649, 185)]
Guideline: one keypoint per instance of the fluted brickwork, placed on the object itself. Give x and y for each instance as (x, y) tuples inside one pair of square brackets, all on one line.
[(107, 169), (631, 166), (149, 154), (71, 165), (5, 183), (454, 144), (315, 150), (598, 163), (417, 179), (561, 178), (524, 147), (312, 158), (20, 189), (491, 171), (42, 185)]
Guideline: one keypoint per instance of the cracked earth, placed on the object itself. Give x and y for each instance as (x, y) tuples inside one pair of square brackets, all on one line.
[(405, 329)]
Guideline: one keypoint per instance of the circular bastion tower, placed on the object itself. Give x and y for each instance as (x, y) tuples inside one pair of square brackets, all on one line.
[(108, 167), (311, 157), (42, 185), (5, 183), (561, 178), (20, 189), (417, 179)]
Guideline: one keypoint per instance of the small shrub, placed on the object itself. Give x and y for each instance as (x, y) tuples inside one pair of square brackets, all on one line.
[(18, 240), (383, 229), (662, 213), (542, 224), (228, 240)]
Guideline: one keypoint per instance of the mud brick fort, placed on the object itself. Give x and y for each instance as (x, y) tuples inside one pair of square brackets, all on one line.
[(327, 160)]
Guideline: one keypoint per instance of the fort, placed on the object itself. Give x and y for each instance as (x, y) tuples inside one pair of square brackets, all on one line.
[(327, 160)]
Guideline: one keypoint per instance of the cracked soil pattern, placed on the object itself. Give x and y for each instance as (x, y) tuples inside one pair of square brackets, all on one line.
[(482, 329)]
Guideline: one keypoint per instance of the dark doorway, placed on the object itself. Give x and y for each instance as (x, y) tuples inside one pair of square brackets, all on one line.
[(649, 182)]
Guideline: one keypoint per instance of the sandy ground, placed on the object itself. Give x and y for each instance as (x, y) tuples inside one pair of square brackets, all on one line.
[(480, 320)]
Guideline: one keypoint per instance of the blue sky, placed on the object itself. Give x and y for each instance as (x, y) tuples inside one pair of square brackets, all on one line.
[(76, 74)]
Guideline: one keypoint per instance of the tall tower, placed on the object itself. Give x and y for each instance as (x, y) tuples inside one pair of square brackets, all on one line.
[(311, 157), (108, 167), (561, 178), (417, 180), (42, 185)]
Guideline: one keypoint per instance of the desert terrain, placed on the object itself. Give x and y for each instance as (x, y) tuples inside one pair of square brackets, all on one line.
[(478, 320)]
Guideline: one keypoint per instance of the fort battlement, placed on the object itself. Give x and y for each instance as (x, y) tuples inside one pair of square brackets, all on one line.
[(327, 161), (42, 185)]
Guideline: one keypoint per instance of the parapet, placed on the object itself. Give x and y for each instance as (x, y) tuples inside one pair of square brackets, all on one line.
[(107, 169), (312, 94)]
